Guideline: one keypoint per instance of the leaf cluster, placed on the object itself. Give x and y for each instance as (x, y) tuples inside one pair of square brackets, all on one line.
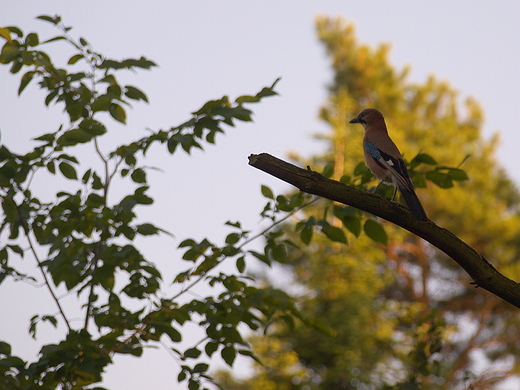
[(85, 244)]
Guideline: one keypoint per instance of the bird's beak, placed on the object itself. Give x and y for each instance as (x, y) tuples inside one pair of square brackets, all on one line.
[(355, 120)]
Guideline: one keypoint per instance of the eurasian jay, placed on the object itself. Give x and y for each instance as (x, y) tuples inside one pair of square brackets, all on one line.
[(384, 159)]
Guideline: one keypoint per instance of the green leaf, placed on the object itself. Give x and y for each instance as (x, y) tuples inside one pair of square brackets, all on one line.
[(192, 353), (93, 127), (5, 349), (268, 91), (241, 264), (26, 79), (139, 175), (147, 229), (182, 376), (375, 231), (117, 112), (328, 170), (193, 385), (10, 209), (353, 224), (306, 234), (32, 40), (6, 34), (228, 354), (200, 367), (51, 19), (135, 93), (457, 174), (267, 192), (75, 58), (142, 63), (232, 238), (74, 136), (423, 158), (210, 348), (68, 170), (102, 103), (439, 178), (334, 233), (174, 335)]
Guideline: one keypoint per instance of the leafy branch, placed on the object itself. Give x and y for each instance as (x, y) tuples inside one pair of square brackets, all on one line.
[(482, 272), (83, 243)]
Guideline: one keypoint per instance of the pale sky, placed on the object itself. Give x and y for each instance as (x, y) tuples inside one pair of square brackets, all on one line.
[(206, 49)]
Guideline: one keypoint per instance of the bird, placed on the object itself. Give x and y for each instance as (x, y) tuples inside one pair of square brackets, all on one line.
[(385, 161)]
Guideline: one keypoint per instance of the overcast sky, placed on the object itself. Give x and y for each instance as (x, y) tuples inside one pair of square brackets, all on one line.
[(206, 49)]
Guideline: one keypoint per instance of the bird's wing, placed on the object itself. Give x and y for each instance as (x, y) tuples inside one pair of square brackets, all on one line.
[(393, 164)]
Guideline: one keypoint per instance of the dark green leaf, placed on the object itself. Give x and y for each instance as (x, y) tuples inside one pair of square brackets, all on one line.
[(192, 353), (232, 238), (5, 349), (147, 229), (439, 178), (353, 224), (457, 174), (51, 19), (134, 93), (228, 354), (241, 264), (102, 103), (32, 40), (174, 335), (328, 170), (306, 234), (117, 112), (51, 167), (182, 376), (210, 348), (92, 126), (193, 385), (267, 192), (10, 209), (138, 175), (26, 79), (75, 58), (200, 367), (74, 136), (423, 158), (86, 176), (268, 91), (334, 233), (375, 231), (68, 171)]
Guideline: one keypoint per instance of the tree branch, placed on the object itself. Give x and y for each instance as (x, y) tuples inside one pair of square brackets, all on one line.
[(482, 272)]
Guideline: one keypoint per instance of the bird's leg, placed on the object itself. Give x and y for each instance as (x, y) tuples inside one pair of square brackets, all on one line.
[(376, 187), (393, 196)]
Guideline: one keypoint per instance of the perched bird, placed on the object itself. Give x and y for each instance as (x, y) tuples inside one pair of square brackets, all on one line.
[(384, 159)]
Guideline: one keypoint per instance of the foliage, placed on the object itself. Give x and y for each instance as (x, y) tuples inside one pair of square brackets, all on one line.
[(405, 316), (84, 244)]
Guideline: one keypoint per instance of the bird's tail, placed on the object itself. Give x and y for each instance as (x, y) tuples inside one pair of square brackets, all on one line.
[(414, 204)]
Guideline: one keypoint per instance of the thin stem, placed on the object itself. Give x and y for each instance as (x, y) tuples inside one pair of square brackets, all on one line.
[(97, 253), (196, 281), (47, 282)]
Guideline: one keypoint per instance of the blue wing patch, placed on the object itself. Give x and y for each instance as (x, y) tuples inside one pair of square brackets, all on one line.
[(372, 150)]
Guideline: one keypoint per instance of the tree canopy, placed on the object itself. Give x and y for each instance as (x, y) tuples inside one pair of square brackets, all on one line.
[(82, 242), (405, 315)]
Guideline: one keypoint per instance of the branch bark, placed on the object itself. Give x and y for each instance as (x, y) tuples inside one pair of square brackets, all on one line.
[(482, 272)]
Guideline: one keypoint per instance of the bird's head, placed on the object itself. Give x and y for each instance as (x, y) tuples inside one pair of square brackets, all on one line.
[(368, 116)]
